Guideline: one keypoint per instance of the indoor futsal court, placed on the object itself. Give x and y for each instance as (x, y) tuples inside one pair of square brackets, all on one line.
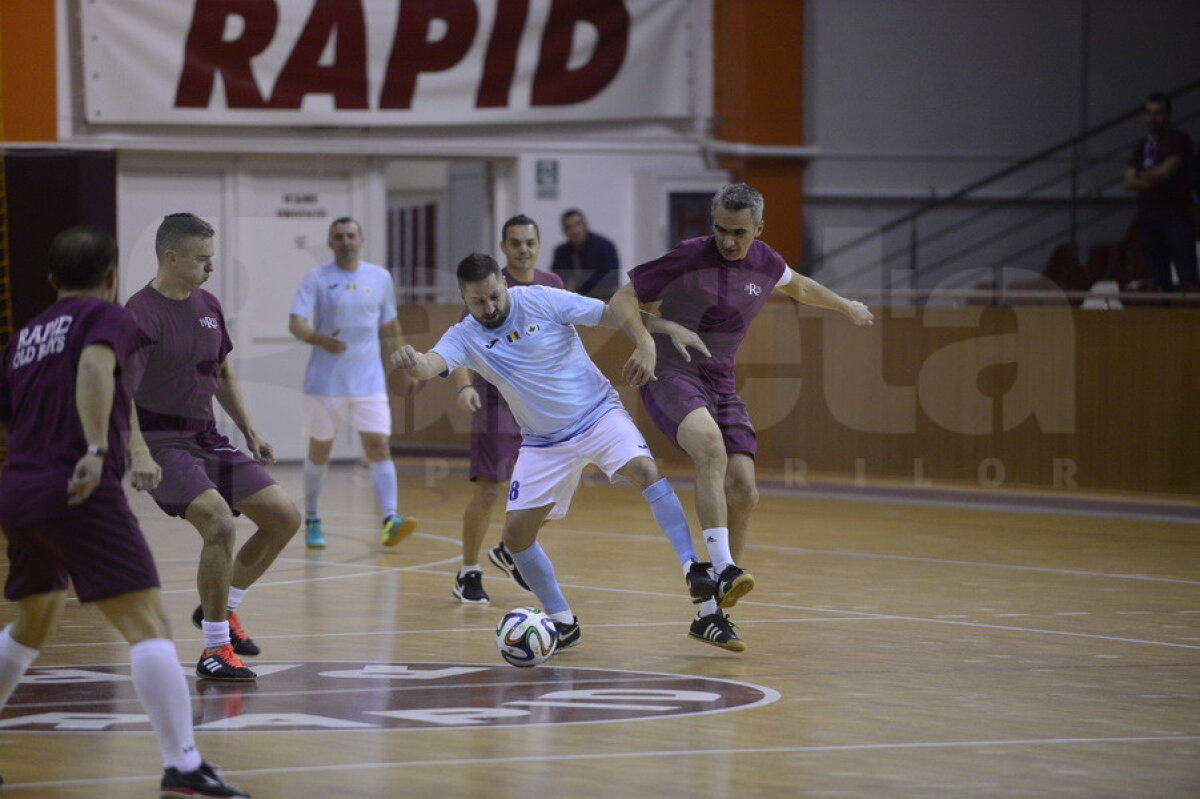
[(900, 644)]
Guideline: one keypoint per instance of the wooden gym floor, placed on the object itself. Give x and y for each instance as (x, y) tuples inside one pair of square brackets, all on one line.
[(923, 646)]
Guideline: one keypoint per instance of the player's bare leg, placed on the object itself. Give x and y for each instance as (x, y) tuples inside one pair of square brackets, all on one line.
[(741, 497), (700, 438), (278, 520), (477, 517), (213, 519)]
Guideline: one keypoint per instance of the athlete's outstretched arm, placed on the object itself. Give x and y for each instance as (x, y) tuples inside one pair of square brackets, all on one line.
[(624, 312), (681, 337), (94, 386), (229, 395), (422, 365), (466, 397), (808, 291), (391, 338)]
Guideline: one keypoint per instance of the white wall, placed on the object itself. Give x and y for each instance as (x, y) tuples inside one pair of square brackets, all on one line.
[(622, 194)]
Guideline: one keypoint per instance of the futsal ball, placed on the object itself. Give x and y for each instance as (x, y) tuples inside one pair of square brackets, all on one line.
[(526, 637)]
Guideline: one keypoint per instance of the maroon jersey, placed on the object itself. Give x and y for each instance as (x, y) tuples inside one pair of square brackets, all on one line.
[(37, 397), (718, 299), (179, 373), (488, 394)]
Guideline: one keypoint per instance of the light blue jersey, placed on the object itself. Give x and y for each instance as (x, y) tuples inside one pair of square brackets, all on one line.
[(538, 362), (354, 303)]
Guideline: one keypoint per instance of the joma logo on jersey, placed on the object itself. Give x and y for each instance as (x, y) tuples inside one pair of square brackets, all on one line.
[(209, 322)]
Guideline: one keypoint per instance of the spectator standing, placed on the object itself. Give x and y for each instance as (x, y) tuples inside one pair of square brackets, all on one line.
[(1160, 172), (587, 262)]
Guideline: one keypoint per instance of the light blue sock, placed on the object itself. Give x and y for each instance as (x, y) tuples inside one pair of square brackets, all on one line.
[(664, 504), (535, 566), (314, 481), (384, 475)]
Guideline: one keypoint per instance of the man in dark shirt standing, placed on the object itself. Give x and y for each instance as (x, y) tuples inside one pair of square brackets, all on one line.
[(1159, 170), (586, 261), (65, 392)]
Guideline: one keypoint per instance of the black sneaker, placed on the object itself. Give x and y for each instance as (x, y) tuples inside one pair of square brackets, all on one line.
[(242, 644), (717, 629), (221, 663), (700, 582), (732, 585), (503, 559), (469, 588), (202, 782), (568, 634)]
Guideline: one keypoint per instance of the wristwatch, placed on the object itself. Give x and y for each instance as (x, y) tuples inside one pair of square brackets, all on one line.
[(93, 449)]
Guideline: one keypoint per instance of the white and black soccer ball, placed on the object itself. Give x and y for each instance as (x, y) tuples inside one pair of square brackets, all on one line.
[(526, 637)]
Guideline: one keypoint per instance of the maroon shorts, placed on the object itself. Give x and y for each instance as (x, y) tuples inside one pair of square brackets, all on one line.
[(189, 468), (98, 545), (674, 395), (495, 443)]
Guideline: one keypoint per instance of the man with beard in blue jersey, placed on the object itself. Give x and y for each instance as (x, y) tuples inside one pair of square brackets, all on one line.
[(523, 341)]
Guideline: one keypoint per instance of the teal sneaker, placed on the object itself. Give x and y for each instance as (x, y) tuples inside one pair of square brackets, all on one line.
[(396, 529), (314, 534)]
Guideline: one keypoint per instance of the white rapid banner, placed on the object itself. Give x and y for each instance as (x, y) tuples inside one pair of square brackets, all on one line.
[(384, 62)]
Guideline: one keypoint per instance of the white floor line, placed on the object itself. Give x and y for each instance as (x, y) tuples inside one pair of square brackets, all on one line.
[(489, 628), (639, 678), (586, 756), (803, 551)]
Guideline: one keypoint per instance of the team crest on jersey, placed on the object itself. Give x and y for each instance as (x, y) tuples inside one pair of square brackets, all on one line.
[(209, 322), (531, 328), (753, 289)]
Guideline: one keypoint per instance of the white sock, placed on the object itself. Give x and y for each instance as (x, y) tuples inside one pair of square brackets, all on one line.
[(236, 595), (564, 616), (465, 570), (314, 481), (717, 541), (216, 633), (383, 474), (707, 608), (15, 660), (163, 691)]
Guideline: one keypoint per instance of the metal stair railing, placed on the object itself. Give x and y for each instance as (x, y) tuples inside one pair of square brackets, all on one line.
[(957, 199)]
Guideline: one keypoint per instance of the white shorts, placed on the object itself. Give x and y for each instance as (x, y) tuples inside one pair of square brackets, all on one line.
[(323, 416), (549, 475)]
